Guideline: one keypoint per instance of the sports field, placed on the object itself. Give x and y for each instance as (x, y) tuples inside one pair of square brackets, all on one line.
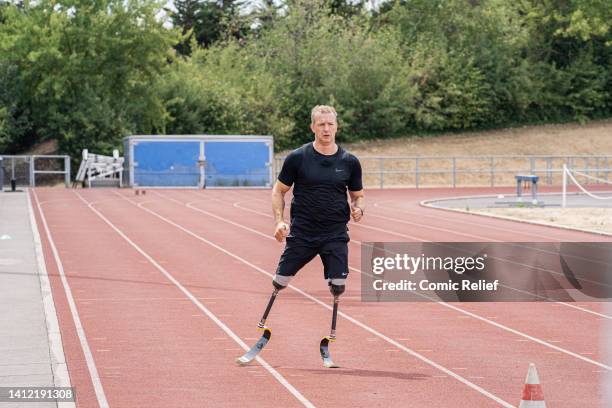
[(157, 294)]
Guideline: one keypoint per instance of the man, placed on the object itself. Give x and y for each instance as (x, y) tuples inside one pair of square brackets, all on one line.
[(321, 173)]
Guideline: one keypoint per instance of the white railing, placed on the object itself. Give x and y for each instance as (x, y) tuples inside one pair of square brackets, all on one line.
[(22, 170), (457, 171)]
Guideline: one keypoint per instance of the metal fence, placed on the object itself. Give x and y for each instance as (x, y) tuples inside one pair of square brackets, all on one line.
[(463, 171), (29, 171)]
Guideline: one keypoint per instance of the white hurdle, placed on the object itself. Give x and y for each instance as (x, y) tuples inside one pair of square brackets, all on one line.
[(97, 167)]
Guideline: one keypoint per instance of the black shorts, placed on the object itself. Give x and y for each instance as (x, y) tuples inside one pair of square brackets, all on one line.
[(298, 252)]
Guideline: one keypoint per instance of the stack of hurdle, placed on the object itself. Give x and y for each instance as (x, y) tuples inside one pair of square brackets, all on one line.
[(97, 170)]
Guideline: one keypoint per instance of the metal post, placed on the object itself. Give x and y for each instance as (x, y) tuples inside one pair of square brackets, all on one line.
[(548, 170), (586, 165), (564, 196), (416, 172), (532, 164), (454, 172), (67, 171), (32, 171), (13, 182), (492, 171), (1, 174), (597, 168)]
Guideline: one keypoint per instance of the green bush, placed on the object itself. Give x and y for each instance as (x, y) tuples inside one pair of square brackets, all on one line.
[(85, 69), (88, 73)]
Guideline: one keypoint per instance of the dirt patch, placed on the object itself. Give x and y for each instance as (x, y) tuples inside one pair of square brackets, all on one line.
[(597, 219), (435, 164), (47, 147), (594, 138)]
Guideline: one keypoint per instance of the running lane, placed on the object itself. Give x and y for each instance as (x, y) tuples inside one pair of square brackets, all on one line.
[(151, 346)]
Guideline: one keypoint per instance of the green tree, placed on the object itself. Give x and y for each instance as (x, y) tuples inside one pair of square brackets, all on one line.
[(14, 117), (347, 8), (187, 17), (325, 58), (85, 69), (468, 55), (207, 22), (223, 89), (571, 52)]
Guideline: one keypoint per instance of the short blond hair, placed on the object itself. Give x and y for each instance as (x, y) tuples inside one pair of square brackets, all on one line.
[(322, 109)]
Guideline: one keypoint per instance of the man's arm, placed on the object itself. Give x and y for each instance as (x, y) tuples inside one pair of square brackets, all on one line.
[(278, 209), (357, 204)]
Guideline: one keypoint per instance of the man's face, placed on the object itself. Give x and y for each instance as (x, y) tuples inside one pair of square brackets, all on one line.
[(324, 128)]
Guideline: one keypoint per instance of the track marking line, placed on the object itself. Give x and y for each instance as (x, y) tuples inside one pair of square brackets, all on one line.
[(59, 367), (416, 224), (91, 365), (486, 239), (199, 304), (565, 304), (424, 214), (427, 203), (445, 304), (344, 315)]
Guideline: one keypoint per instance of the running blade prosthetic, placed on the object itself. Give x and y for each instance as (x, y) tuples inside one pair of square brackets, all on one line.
[(256, 349), (324, 349)]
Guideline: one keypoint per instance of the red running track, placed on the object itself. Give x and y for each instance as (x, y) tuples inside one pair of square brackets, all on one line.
[(168, 289)]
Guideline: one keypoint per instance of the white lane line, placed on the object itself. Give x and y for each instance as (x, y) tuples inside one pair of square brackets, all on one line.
[(91, 365), (356, 242), (479, 225), (342, 314), (200, 306), (59, 368), (426, 226), (437, 217), (460, 310), (431, 227)]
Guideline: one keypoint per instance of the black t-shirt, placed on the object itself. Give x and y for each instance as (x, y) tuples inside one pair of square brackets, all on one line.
[(319, 207)]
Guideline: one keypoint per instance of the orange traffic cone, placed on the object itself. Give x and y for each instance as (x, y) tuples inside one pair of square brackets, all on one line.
[(533, 397)]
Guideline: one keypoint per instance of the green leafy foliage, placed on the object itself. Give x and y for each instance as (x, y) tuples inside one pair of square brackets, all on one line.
[(88, 73), (85, 69)]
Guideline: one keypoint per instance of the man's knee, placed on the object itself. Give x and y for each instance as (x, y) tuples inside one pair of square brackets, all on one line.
[(337, 286), (280, 282)]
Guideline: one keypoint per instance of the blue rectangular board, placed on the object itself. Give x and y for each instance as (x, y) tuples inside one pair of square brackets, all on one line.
[(237, 164), (166, 163)]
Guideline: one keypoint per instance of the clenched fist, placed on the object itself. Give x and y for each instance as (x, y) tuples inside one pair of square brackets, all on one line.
[(356, 213), (281, 231)]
